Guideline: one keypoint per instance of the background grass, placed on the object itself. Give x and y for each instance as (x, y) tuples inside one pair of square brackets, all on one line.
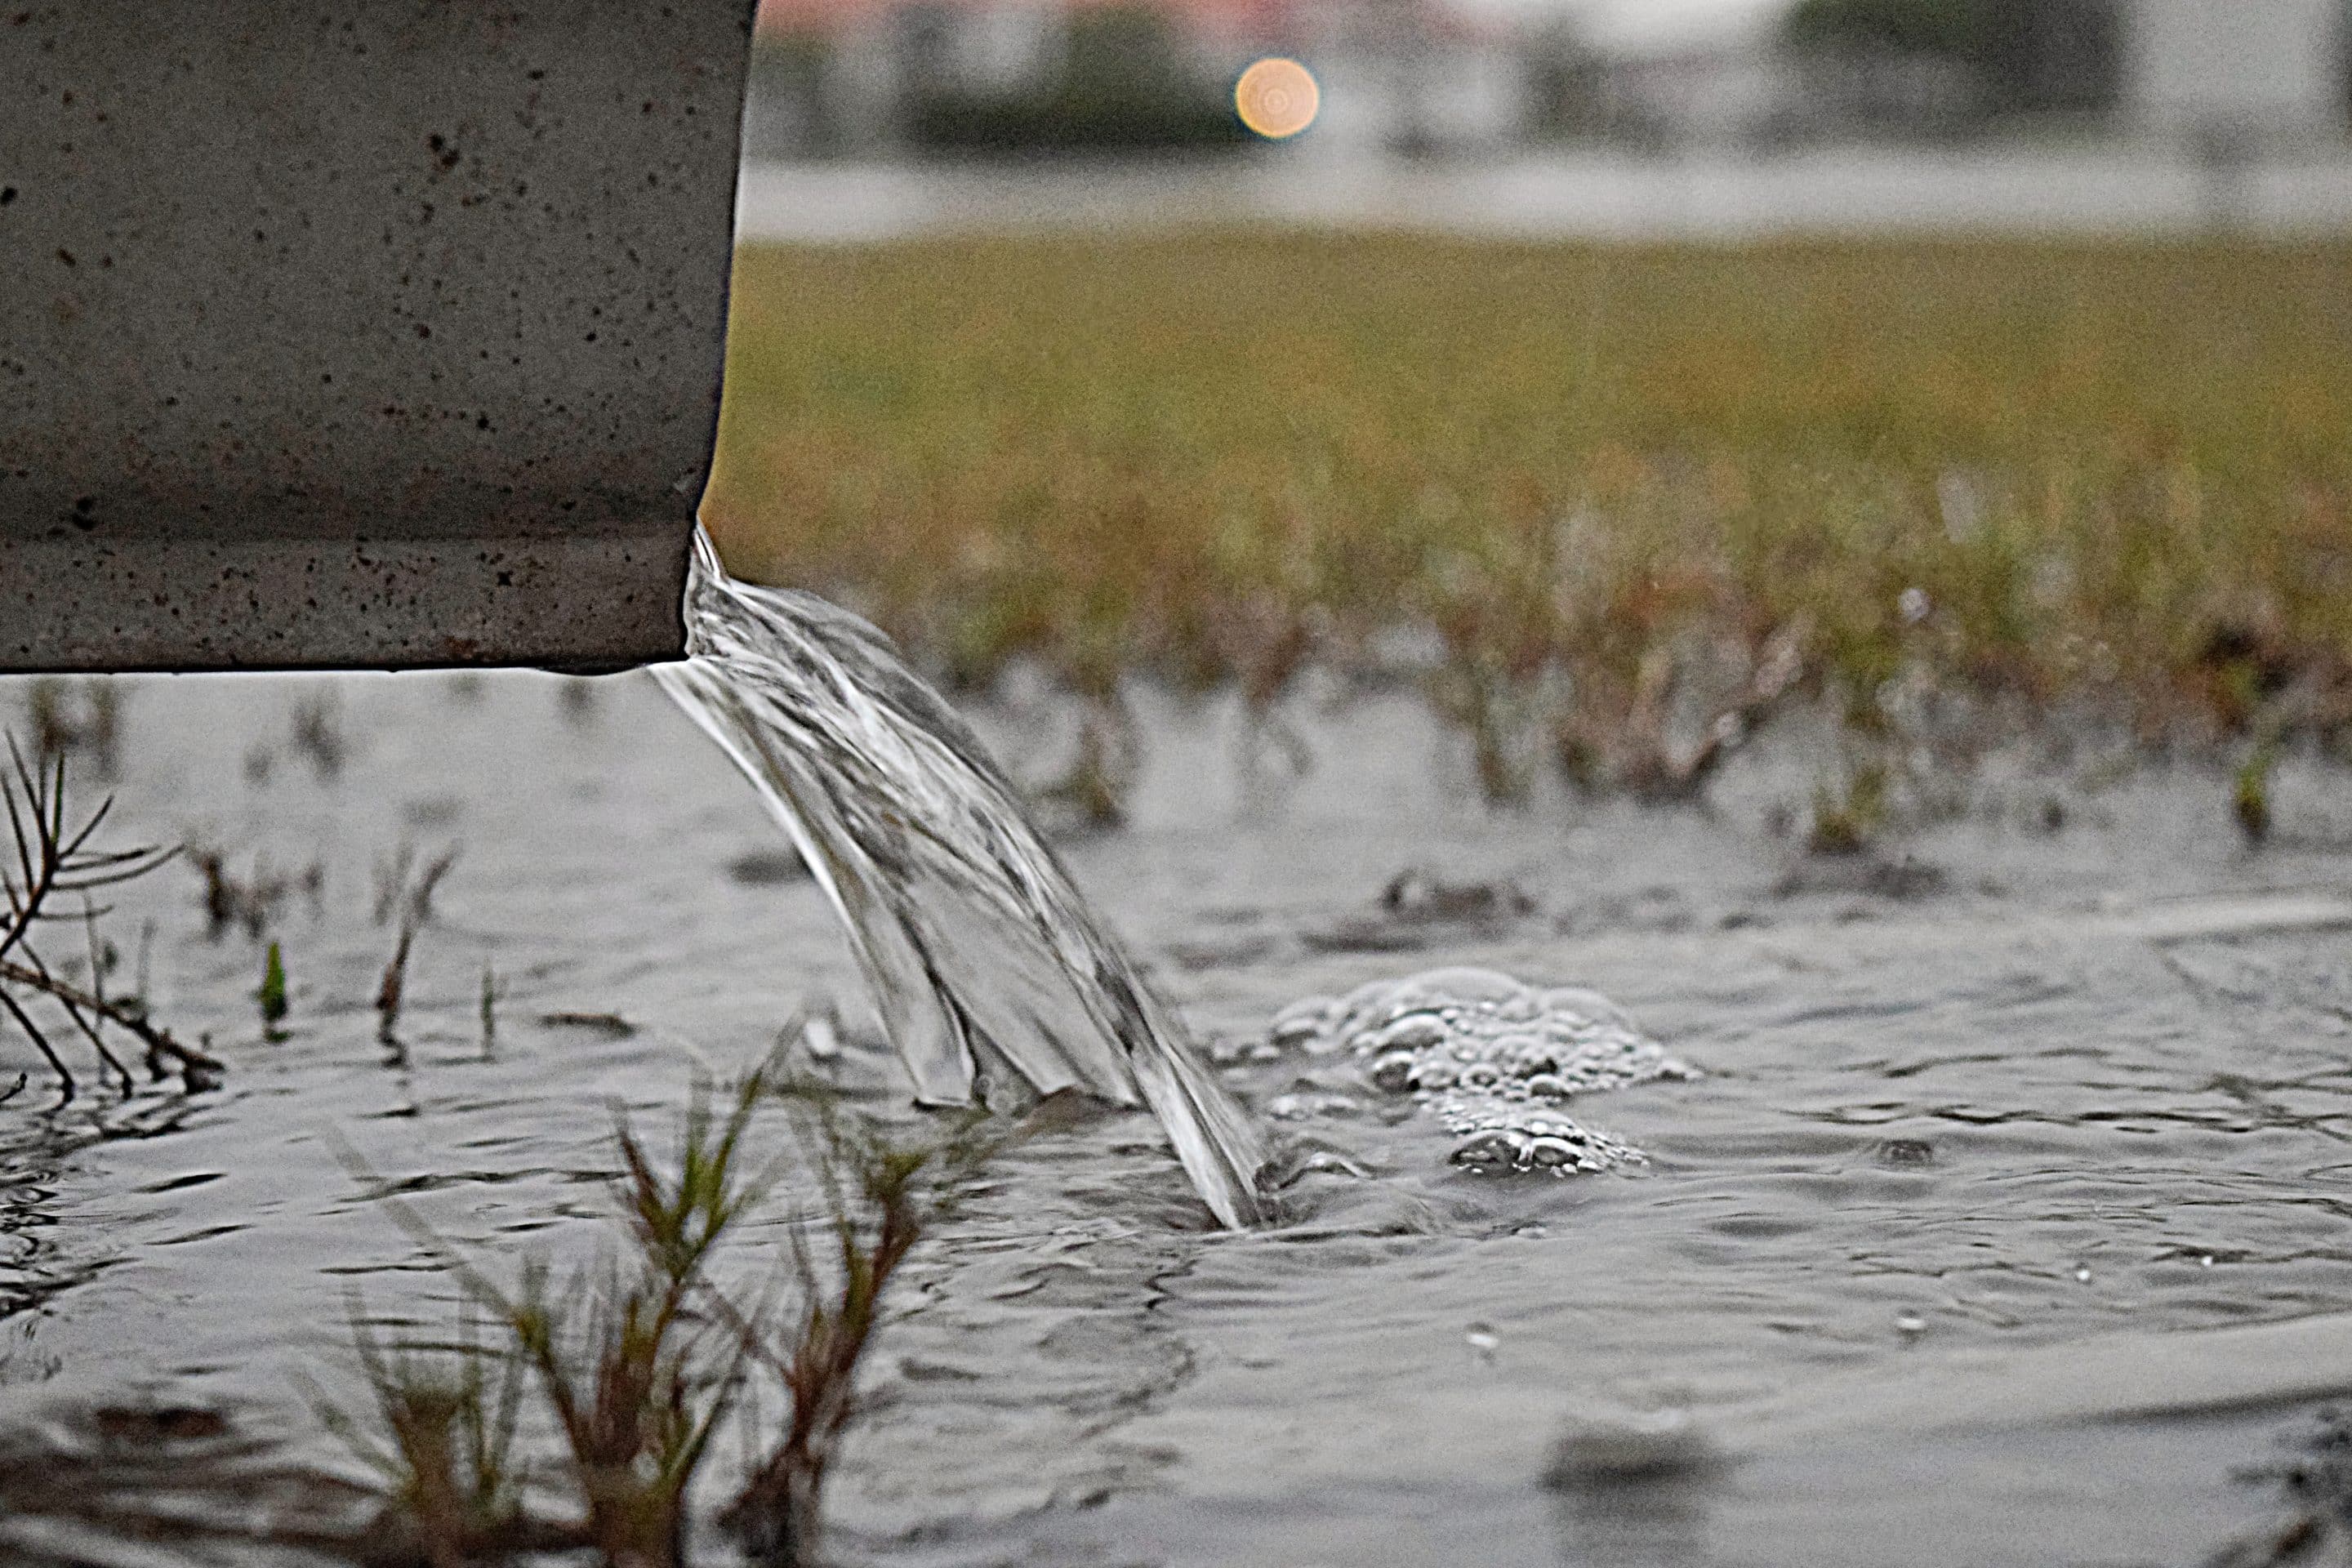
[(1595, 479)]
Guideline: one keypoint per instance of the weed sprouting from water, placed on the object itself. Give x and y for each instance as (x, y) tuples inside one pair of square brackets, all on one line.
[(250, 902), (491, 992), (635, 1377), (2250, 792), (1102, 774), (317, 732), (414, 899), (84, 716), (1846, 820), (56, 858), (639, 1363), (272, 995), (442, 1446)]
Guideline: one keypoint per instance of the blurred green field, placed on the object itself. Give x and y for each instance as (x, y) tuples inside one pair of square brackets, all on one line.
[(1609, 487)]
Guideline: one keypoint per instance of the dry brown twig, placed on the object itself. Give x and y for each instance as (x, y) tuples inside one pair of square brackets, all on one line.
[(54, 859)]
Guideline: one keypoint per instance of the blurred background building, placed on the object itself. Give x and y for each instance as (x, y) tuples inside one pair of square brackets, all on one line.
[(864, 78)]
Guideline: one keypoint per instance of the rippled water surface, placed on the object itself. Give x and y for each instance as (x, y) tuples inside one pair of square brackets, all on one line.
[(2002, 1221)]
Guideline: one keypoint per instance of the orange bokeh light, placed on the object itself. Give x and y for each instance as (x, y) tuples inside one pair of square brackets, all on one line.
[(1277, 97)]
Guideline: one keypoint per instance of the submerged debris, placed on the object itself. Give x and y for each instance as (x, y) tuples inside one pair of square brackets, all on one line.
[(1490, 1058), (1418, 907), (2315, 1484), (1416, 894), (767, 868), (1606, 1453), (612, 1025)]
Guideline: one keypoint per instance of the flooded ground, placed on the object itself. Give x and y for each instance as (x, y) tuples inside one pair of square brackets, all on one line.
[(2007, 1224)]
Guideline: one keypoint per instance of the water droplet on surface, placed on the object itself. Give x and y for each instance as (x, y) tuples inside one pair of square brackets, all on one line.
[(2083, 1276), (2206, 1261), (1908, 1325), (1483, 1340), (821, 1038)]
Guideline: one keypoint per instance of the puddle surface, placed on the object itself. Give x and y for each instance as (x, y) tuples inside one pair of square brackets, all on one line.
[(2090, 1093)]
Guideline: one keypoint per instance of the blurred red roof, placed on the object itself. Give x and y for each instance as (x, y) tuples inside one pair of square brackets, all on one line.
[(1201, 16)]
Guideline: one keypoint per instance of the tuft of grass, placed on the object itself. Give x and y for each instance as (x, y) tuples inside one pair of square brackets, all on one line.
[(1847, 821), (880, 1197), (636, 1380), (443, 1441), (1600, 480), (639, 1365), (272, 993), (2250, 792)]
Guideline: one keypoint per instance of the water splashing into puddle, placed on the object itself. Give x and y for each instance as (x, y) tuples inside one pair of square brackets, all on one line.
[(1491, 1058), (983, 957)]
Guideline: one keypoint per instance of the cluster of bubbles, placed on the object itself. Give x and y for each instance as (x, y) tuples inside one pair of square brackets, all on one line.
[(1491, 1058)]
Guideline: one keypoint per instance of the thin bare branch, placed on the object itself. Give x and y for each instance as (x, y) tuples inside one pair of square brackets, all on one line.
[(25, 1022), (199, 1066), (66, 999), (54, 858)]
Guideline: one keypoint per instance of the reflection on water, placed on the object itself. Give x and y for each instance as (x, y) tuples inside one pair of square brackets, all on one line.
[(2119, 1053)]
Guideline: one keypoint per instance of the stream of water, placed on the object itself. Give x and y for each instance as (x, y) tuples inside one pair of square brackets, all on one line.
[(980, 951)]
